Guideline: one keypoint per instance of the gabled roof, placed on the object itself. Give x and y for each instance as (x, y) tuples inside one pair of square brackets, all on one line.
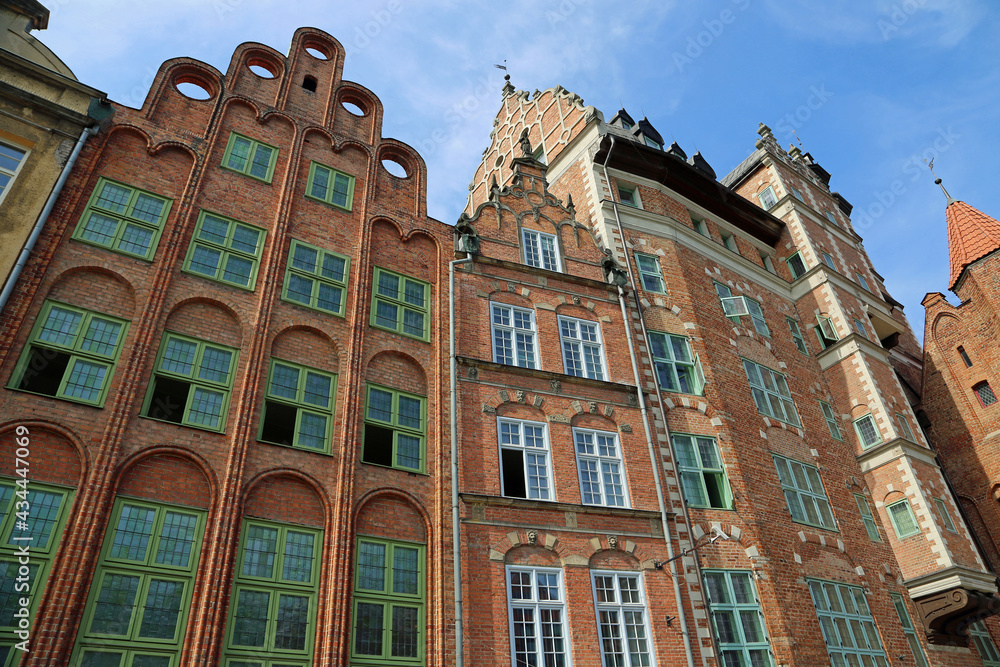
[(971, 235)]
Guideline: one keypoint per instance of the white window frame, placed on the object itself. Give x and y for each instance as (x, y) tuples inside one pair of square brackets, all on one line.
[(669, 364), (546, 492), (17, 170), (523, 342), (767, 195), (534, 238), (536, 606), (866, 441), (764, 395), (656, 272), (625, 638), (946, 520), (904, 427), (582, 347), (605, 467)]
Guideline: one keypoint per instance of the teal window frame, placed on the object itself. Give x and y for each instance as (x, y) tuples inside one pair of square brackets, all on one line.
[(704, 482), (900, 511), (859, 326), (770, 391), (406, 303), (388, 598), (796, 265), (247, 169), (145, 569), (195, 381), (127, 222), (831, 421), (735, 609), (734, 307), (228, 254), (52, 518), (846, 622), (904, 427), (330, 193), (278, 403), (868, 431), (804, 493), (797, 337), (38, 352), (676, 368), (946, 520), (397, 425), (825, 331), (620, 608), (985, 645), (628, 195), (310, 265), (862, 281), (908, 629), (650, 275), (277, 587), (828, 260), (871, 527)]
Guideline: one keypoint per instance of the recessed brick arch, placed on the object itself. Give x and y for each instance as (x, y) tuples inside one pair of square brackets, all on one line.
[(754, 347), (167, 474), (678, 403), (207, 319), (392, 514), (395, 369), (95, 288), (661, 318), (57, 454), (501, 551), (286, 495), (307, 346), (735, 533), (608, 547)]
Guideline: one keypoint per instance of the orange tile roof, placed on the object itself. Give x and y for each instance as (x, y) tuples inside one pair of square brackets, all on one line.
[(971, 235)]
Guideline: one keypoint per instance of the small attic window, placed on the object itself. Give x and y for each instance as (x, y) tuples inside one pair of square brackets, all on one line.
[(309, 83), (627, 125), (653, 143)]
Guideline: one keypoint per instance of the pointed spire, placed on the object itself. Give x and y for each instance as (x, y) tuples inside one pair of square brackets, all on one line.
[(938, 182), (971, 236)]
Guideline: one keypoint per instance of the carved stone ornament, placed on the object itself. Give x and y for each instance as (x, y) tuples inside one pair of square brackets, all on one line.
[(576, 300), (947, 614), (532, 537), (473, 373), (519, 395), (633, 400), (556, 385), (612, 542)]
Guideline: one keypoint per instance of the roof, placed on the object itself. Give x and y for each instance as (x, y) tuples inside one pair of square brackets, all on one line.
[(971, 235), (733, 178)]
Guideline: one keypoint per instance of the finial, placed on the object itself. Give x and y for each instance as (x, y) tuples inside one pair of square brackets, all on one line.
[(508, 88), (938, 182)]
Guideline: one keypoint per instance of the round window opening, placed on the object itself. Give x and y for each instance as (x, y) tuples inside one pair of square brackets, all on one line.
[(261, 70), (499, 162), (317, 52), (394, 168), (353, 108), (192, 89)]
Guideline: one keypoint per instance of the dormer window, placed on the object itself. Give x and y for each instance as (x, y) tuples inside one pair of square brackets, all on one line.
[(653, 143), (540, 250), (627, 125)]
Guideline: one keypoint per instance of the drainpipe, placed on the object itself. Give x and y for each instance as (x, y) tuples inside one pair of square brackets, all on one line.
[(681, 614), (50, 203), (456, 541)]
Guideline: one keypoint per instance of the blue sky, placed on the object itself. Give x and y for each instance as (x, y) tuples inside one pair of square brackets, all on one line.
[(872, 88)]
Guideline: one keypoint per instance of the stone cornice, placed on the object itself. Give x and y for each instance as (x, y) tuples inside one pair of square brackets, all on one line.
[(893, 450)]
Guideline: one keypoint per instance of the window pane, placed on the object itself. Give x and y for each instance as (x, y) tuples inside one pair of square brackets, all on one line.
[(113, 198), (176, 539), (115, 603), (101, 337), (135, 239), (259, 551), (206, 407), (298, 561), (178, 356), (292, 623), (162, 608), (85, 380), (61, 326), (404, 632), (238, 270), (368, 629), (284, 381), (379, 405), (135, 526), (321, 181), (371, 566), (250, 622), (100, 229), (404, 570), (409, 412)]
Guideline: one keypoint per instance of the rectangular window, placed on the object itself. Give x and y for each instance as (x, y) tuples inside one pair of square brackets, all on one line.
[(536, 606), (649, 272), (729, 241), (965, 357), (984, 644), (866, 517), (389, 597), (767, 198), (797, 195), (859, 326), (514, 336), (315, 278), (652, 143), (985, 394), (141, 591), (253, 158), (867, 430), (703, 479), (539, 155), (862, 281), (627, 196), (192, 380), (903, 520), (676, 369), (225, 250), (273, 606), (699, 225), (540, 249), (298, 407), (770, 393), (583, 355), (395, 429), (524, 460), (737, 619), (796, 265), (735, 306), (828, 260), (757, 317), (330, 186), (122, 218), (831, 421), (804, 493), (847, 625), (765, 259), (599, 462), (71, 354), (904, 427), (621, 619), (831, 218), (800, 342), (825, 331), (401, 304), (945, 515), (11, 159)]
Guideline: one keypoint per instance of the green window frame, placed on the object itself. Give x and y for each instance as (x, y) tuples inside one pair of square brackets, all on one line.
[(847, 624), (123, 219), (71, 354), (649, 273), (945, 515), (804, 493), (797, 337), (984, 644), (401, 304), (273, 607), (908, 629), (737, 618), (904, 522), (831, 421), (31, 515), (703, 475), (796, 265), (191, 383), (867, 431), (225, 250), (868, 518), (298, 407), (904, 427), (389, 624), (825, 331), (141, 591), (770, 393), (330, 186), (627, 195), (395, 429), (676, 370), (736, 306), (316, 278), (250, 157)]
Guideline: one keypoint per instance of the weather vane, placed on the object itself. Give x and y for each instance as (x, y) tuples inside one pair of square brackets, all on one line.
[(937, 181)]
